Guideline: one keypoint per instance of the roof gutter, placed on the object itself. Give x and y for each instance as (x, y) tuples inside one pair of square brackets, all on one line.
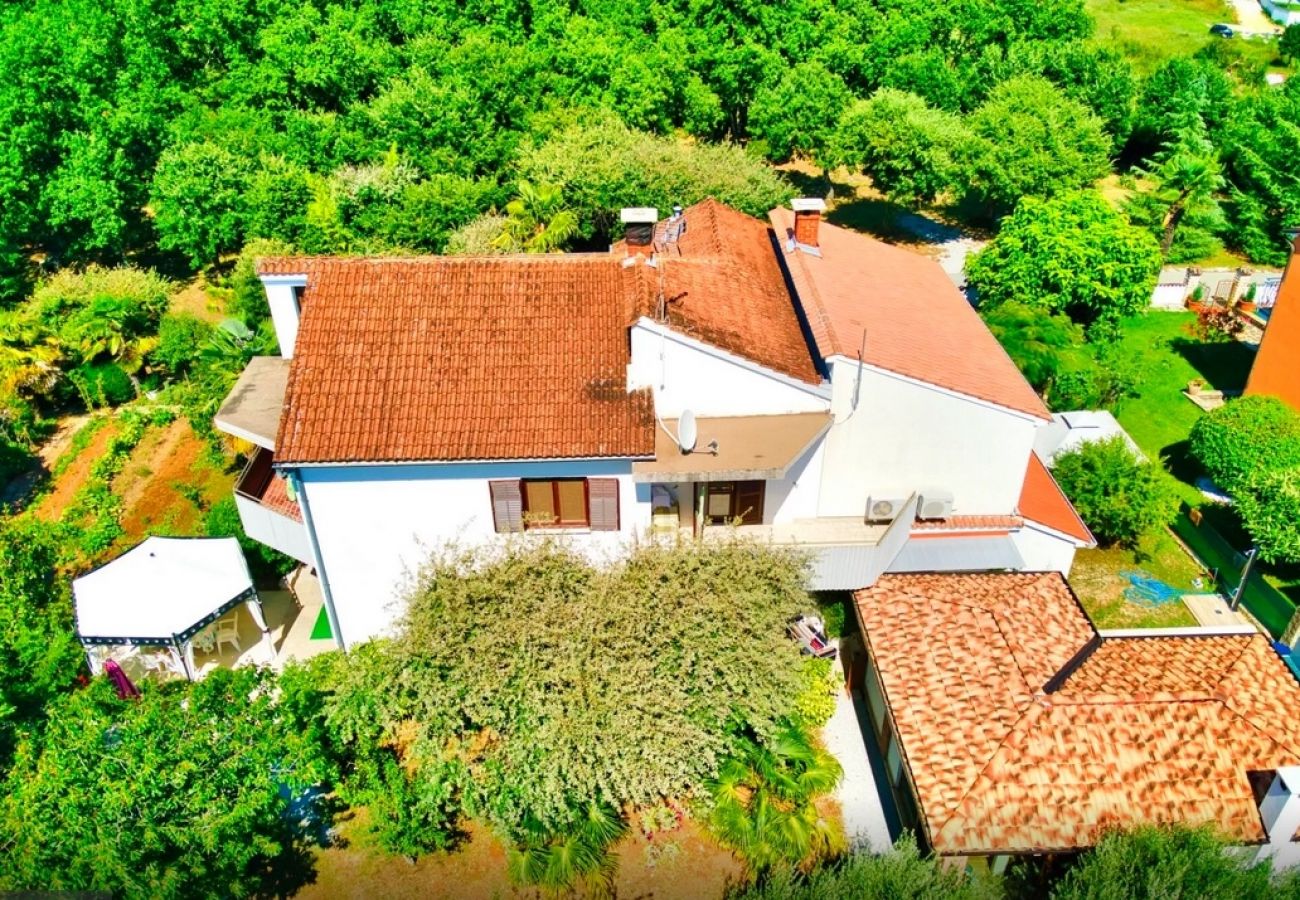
[(326, 594)]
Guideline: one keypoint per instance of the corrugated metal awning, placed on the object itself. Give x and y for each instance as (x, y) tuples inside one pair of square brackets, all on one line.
[(958, 554)]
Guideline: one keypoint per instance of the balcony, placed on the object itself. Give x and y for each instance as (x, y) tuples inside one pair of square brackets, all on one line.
[(267, 512)]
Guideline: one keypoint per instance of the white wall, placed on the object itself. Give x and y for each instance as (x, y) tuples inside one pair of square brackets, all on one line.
[(796, 496), (904, 436), (687, 375), (278, 531), (376, 525), (284, 308), (1043, 551)]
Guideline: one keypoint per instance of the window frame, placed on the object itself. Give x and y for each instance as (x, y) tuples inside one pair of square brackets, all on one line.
[(733, 491), (555, 500)]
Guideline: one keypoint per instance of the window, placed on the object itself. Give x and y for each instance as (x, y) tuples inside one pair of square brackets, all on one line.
[(555, 504), (520, 504), (730, 501)]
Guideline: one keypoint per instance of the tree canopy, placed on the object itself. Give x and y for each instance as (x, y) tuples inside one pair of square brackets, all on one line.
[(1071, 254)]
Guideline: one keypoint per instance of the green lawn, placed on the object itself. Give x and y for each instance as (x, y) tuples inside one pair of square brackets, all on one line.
[(1151, 31), (1099, 581), (1165, 356)]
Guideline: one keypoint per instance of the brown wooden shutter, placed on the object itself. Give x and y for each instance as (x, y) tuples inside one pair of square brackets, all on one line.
[(507, 505), (602, 497), (749, 502)]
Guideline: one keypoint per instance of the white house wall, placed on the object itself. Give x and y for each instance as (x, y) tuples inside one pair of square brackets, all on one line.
[(1043, 551), (377, 525), (281, 297), (685, 375), (796, 496), (904, 436)]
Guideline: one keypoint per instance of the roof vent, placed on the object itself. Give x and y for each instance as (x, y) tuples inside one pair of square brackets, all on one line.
[(807, 217), (638, 227)]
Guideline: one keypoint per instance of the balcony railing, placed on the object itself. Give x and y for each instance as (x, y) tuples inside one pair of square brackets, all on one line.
[(266, 510)]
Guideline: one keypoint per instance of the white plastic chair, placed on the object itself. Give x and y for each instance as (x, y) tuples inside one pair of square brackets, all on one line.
[(228, 631)]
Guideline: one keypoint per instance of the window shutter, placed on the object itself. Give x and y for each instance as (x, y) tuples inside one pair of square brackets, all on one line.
[(507, 506), (602, 497), (749, 502)]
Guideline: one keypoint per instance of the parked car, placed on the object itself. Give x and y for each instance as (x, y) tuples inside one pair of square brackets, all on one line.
[(1223, 31)]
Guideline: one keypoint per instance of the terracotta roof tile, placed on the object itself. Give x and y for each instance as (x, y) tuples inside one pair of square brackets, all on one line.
[(969, 523), (723, 285), (276, 498), (1144, 729), (915, 320), (1042, 501), (441, 358)]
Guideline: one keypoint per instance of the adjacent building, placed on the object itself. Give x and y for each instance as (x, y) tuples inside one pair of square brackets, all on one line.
[(1010, 726), (787, 379), (1274, 371)]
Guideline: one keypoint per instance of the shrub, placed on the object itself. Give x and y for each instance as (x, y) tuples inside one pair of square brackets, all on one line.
[(102, 384), (815, 704), (1269, 506), (611, 687), (14, 460), (1120, 497), (1161, 862), (1215, 323), (248, 297), (180, 336), (900, 873), (1245, 438)]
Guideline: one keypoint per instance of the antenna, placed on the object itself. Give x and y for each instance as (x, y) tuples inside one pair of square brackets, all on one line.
[(687, 432)]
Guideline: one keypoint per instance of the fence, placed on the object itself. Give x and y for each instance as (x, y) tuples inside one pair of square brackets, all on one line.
[(1266, 603)]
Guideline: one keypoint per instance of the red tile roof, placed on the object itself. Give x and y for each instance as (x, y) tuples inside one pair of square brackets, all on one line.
[(938, 527), (441, 358), (1014, 745), (1042, 501), (915, 320), (1274, 370), (276, 498), (724, 286)]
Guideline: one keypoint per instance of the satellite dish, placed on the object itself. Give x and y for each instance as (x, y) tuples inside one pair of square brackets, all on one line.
[(687, 433)]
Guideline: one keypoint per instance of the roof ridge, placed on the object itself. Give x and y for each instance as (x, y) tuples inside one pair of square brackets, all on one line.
[(956, 804), (1226, 699), (823, 317)]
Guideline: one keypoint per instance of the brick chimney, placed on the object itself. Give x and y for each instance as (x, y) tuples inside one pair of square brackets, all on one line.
[(639, 228), (807, 217)]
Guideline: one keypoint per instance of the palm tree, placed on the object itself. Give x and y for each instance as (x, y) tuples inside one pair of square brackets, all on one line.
[(537, 220), (763, 800), (558, 861), (29, 359), (1187, 175)]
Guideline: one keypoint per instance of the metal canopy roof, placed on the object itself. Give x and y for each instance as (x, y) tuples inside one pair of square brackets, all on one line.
[(958, 554), (748, 447), (252, 408)]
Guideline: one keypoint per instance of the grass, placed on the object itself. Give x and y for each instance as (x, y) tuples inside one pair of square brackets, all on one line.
[(1149, 32), (1165, 357), (1099, 581)]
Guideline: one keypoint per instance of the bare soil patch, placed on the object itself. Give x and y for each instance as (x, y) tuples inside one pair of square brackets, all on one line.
[(52, 505), (197, 300), (697, 868), (168, 483)]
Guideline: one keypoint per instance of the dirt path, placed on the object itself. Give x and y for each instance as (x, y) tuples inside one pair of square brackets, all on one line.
[(153, 482), (70, 481), (17, 491), (1251, 16)]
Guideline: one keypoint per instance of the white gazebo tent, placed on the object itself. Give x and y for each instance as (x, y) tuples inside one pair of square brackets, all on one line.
[(161, 593)]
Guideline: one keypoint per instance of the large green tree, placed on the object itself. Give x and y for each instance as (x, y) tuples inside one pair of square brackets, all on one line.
[(184, 792), (1121, 498), (1071, 254), (796, 115), (1037, 142), (200, 203), (912, 151), (39, 652)]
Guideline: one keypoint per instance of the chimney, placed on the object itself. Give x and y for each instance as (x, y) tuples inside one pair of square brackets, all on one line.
[(639, 228), (807, 217)]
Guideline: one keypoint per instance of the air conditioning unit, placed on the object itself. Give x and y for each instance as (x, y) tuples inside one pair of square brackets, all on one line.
[(883, 509), (934, 505)]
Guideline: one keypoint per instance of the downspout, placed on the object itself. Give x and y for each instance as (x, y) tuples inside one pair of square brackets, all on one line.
[(326, 594)]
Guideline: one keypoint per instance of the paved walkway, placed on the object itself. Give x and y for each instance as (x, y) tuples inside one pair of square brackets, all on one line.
[(865, 822)]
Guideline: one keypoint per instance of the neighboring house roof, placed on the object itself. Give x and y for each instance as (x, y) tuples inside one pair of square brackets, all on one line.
[(1042, 501), (1275, 371), (445, 358), (722, 284), (1071, 430), (915, 321), (1025, 730), (974, 524)]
